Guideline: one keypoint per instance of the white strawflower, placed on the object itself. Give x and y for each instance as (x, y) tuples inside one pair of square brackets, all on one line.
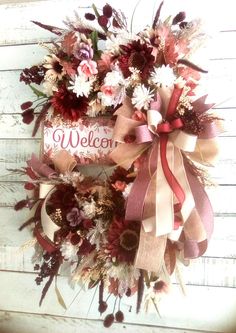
[(163, 76), (81, 86), (114, 78), (68, 251), (89, 209), (142, 96)]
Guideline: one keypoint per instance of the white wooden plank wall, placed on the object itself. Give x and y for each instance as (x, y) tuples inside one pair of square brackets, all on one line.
[(210, 303)]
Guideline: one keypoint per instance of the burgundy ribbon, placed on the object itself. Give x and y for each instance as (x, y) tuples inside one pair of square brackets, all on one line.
[(46, 244), (136, 198)]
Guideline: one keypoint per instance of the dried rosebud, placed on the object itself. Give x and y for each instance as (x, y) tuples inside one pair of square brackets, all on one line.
[(183, 25), (129, 138), (160, 286), (29, 186), (20, 204), (115, 23), (103, 21), (26, 105), (179, 18), (128, 292), (119, 185), (102, 306), (107, 10), (28, 116), (89, 16), (109, 320), (119, 316)]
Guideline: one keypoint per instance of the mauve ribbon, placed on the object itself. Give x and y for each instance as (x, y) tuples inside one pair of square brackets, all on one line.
[(41, 168), (192, 247)]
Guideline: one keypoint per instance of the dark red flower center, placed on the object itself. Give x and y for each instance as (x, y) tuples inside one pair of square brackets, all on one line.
[(137, 60), (129, 239), (57, 67)]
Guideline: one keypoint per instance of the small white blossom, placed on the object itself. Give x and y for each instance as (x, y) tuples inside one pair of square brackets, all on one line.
[(49, 88), (81, 85), (114, 41), (127, 190), (68, 251), (142, 97), (89, 209), (163, 76), (72, 178)]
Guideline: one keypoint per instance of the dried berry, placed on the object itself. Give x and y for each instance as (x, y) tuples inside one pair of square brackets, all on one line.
[(103, 21), (109, 320), (179, 18), (28, 116), (102, 306), (128, 292), (107, 11), (26, 105), (119, 316), (89, 16), (29, 186)]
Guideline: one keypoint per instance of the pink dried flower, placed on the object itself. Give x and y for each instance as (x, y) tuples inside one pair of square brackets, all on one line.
[(88, 68), (119, 185)]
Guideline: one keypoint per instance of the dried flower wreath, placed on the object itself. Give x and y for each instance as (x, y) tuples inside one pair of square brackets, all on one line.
[(126, 232)]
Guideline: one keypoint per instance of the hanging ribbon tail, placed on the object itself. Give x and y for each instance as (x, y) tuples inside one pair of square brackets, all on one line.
[(198, 228), (136, 198), (46, 244), (41, 168), (150, 253)]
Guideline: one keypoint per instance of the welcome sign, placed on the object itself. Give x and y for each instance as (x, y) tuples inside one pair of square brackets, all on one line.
[(89, 141)]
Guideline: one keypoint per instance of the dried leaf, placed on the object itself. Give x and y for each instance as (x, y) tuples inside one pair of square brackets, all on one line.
[(68, 43), (191, 65), (55, 30), (59, 297), (170, 257)]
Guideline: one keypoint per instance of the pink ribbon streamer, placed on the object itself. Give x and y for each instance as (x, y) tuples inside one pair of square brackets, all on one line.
[(41, 168)]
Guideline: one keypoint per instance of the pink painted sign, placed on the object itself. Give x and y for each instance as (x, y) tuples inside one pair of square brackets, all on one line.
[(89, 141)]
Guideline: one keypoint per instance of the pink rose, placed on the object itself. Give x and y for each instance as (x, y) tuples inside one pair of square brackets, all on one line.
[(88, 68), (108, 90)]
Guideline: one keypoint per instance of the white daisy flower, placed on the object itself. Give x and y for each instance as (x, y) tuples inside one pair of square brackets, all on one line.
[(163, 76), (142, 96), (81, 86)]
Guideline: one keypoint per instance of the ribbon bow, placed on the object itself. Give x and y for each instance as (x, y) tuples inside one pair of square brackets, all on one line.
[(63, 163), (162, 195)]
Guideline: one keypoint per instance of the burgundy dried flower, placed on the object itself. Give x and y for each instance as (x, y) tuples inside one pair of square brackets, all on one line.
[(28, 116), (85, 248), (123, 238), (89, 16), (69, 105), (183, 25), (34, 74), (26, 105), (103, 21), (138, 55), (179, 18), (107, 10), (74, 217), (109, 320), (119, 316)]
